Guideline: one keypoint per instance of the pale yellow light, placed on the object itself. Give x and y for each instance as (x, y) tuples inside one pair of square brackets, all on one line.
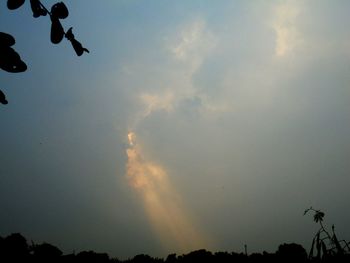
[(287, 35), (164, 207)]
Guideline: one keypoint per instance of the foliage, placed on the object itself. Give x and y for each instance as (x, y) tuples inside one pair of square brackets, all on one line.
[(11, 61), (326, 245), (58, 11)]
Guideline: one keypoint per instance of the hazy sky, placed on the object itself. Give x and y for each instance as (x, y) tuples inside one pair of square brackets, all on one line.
[(238, 116)]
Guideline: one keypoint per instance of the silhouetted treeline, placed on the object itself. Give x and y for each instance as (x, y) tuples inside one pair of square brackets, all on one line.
[(15, 248)]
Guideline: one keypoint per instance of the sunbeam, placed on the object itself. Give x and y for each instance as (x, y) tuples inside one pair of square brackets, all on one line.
[(164, 207)]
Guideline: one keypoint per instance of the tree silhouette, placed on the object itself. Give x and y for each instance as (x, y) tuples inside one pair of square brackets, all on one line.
[(291, 253), (11, 61), (46, 253), (14, 248)]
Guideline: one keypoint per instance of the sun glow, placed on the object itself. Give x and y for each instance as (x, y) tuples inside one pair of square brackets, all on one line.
[(288, 36), (164, 207)]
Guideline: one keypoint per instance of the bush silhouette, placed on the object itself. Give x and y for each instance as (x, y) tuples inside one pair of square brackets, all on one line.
[(14, 248), (46, 253), (92, 257), (291, 253)]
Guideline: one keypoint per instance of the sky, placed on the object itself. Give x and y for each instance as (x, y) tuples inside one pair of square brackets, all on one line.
[(190, 124)]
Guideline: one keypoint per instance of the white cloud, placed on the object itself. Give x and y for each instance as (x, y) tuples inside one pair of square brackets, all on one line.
[(288, 36), (189, 38), (187, 49), (192, 44), (154, 102)]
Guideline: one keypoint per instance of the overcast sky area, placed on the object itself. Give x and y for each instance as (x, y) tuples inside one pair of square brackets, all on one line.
[(238, 115)]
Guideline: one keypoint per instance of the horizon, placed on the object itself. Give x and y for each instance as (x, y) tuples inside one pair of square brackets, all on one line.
[(31, 249)]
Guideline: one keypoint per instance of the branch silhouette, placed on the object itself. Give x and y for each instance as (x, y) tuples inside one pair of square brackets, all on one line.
[(11, 61), (324, 244)]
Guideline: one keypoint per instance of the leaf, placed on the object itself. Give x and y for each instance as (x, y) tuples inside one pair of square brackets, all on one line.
[(318, 246), (59, 10), (14, 4), (318, 217), (3, 98), (337, 244), (78, 47), (311, 253), (324, 249), (37, 9), (57, 31)]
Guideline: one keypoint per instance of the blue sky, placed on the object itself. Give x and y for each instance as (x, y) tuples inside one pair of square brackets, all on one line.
[(240, 113)]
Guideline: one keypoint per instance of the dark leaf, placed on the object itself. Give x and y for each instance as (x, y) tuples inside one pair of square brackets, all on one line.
[(318, 245), (324, 249), (37, 9), (59, 10), (11, 61), (57, 31), (318, 217), (311, 253), (337, 244), (6, 40), (3, 98), (78, 47), (14, 4)]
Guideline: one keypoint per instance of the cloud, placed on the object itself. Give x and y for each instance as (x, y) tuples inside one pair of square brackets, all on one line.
[(288, 37), (186, 50), (155, 102), (193, 43), (241, 107)]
